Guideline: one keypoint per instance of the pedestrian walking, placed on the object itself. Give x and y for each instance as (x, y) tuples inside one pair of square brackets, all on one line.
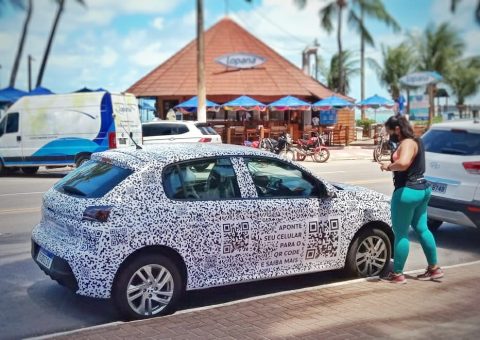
[(409, 200)]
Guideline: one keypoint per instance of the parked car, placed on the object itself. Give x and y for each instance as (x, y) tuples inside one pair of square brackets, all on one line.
[(143, 226), (453, 168), (158, 132), (65, 129)]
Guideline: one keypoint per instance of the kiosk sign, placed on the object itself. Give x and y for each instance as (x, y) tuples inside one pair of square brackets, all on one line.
[(240, 60), (418, 79)]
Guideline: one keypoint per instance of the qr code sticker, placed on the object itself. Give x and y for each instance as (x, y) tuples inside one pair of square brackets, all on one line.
[(322, 239), (235, 238)]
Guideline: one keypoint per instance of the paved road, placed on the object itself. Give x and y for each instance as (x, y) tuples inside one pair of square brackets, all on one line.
[(32, 304)]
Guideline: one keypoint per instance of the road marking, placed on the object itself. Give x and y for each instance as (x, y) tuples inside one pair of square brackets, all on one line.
[(266, 296), (23, 193), (17, 211)]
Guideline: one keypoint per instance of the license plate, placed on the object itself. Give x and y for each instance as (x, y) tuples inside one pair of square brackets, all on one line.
[(45, 258), (122, 140), (439, 187)]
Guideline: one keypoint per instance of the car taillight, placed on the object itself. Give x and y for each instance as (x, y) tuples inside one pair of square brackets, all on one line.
[(473, 209), (205, 140), (472, 167), (112, 140), (97, 213)]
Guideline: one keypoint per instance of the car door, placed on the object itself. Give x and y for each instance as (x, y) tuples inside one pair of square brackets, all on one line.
[(11, 139), (216, 225), (299, 225)]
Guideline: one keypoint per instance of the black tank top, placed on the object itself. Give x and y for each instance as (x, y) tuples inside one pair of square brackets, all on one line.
[(413, 176)]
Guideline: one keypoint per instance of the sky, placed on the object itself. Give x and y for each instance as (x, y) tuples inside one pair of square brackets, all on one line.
[(112, 44)]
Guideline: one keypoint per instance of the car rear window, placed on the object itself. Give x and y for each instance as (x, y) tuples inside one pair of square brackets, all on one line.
[(150, 130), (92, 180), (452, 142), (206, 130)]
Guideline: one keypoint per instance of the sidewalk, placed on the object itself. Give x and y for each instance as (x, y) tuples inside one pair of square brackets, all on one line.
[(362, 149), (358, 309)]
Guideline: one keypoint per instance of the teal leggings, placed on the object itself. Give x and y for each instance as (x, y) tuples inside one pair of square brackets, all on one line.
[(409, 208)]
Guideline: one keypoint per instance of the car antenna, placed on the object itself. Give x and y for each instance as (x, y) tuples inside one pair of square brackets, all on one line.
[(138, 147)]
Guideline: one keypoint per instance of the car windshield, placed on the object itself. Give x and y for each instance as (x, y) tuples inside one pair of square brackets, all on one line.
[(92, 180), (452, 142)]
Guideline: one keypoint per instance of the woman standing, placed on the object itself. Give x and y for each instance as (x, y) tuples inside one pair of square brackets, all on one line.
[(409, 200)]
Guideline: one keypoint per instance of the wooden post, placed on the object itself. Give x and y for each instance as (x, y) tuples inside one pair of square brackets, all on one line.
[(229, 135), (347, 135), (262, 132)]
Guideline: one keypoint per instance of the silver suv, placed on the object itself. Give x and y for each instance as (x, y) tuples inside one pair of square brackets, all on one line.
[(453, 168)]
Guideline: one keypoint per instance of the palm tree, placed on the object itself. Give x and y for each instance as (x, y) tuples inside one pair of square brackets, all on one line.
[(437, 48), (19, 4), (349, 66), (397, 62), (371, 8), (376, 10), (464, 79), (46, 54)]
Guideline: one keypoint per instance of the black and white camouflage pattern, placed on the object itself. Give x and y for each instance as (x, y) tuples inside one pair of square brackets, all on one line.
[(220, 242)]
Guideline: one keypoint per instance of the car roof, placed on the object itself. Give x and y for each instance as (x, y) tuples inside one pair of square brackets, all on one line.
[(469, 125), (175, 152), (161, 122)]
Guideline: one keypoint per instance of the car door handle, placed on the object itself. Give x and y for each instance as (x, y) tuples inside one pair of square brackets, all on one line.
[(171, 138), (19, 138)]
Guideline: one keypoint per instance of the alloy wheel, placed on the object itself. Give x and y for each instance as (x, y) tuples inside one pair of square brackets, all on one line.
[(371, 256), (150, 289)]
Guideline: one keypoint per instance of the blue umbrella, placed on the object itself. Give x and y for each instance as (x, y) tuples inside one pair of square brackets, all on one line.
[(244, 103), (11, 94), (332, 102), (375, 102), (289, 103), (191, 105), (39, 90), (83, 89)]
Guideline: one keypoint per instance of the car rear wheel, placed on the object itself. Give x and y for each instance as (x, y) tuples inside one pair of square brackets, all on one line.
[(148, 286), (81, 159), (433, 225), (369, 253), (31, 170)]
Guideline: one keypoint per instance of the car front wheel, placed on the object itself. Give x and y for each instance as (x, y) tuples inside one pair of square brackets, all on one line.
[(433, 225), (369, 253), (148, 286)]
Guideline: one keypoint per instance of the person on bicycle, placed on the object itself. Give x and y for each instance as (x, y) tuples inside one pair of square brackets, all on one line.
[(409, 200)]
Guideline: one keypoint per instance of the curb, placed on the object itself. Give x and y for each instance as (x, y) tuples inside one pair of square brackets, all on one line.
[(192, 310)]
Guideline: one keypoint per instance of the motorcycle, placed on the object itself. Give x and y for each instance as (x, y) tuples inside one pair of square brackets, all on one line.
[(313, 147), (384, 147), (281, 146)]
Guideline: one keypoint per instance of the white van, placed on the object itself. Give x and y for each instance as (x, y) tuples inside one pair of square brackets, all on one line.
[(65, 129)]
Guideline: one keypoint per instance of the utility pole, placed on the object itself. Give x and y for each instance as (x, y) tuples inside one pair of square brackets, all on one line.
[(201, 91), (30, 59)]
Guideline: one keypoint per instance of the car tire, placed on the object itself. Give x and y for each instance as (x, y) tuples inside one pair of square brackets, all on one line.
[(163, 269), (433, 225), (322, 155), (2, 168), (30, 170), (81, 159), (369, 254)]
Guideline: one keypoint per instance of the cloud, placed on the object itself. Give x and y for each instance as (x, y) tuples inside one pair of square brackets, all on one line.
[(108, 58), (158, 23), (150, 55)]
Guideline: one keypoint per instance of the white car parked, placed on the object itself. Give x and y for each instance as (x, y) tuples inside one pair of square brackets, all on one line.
[(143, 226), (453, 168), (159, 132)]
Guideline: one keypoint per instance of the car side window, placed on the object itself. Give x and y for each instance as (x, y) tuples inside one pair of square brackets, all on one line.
[(209, 179), (2, 126), (12, 123), (275, 179), (179, 129)]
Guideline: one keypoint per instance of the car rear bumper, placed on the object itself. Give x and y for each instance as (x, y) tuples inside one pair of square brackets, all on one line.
[(454, 211), (60, 270)]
